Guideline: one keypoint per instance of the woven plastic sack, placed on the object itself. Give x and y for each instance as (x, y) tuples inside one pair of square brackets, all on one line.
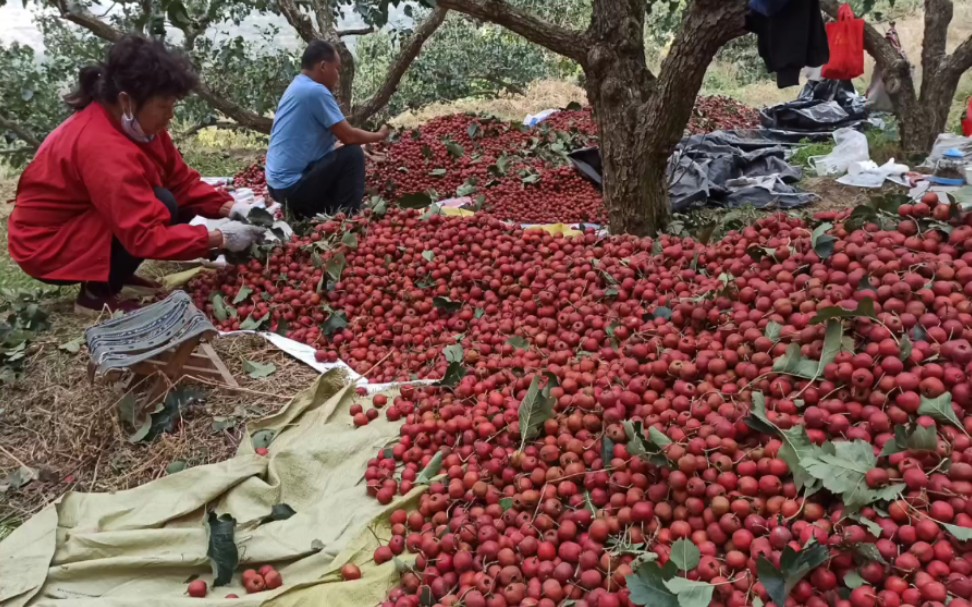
[(846, 39)]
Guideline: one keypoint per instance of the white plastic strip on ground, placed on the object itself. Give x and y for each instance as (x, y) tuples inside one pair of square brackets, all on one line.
[(306, 355)]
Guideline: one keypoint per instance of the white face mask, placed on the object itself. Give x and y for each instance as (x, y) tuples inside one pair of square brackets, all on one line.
[(132, 128)]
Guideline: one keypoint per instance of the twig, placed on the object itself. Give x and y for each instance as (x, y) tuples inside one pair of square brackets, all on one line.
[(13, 457)]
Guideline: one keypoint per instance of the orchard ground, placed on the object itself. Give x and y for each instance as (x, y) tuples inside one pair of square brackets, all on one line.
[(72, 438)]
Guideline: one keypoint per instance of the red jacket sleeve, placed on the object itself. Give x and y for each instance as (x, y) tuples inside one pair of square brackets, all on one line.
[(187, 186), (121, 191)]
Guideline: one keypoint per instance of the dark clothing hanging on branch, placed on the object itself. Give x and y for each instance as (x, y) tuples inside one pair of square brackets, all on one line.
[(792, 38)]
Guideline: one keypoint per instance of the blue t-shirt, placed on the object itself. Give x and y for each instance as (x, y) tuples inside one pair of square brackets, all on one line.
[(301, 133)]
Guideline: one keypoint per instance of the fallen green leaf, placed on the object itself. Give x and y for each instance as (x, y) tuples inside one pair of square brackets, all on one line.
[(258, 370)]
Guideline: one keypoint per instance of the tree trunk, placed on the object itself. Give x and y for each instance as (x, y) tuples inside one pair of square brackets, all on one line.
[(618, 83)]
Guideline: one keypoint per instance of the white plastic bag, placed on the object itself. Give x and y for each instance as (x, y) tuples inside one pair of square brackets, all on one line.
[(535, 119), (851, 147), (870, 175)]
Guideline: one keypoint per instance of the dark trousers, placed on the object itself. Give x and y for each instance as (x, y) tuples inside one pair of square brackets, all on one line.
[(333, 183), (122, 264)]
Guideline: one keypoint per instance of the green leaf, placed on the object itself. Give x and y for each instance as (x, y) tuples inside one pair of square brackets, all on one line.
[(262, 439), (663, 312), (428, 256), (794, 566), (918, 439), (474, 130), (647, 587), (685, 555), (350, 240), (906, 348), (335, 267), (864, 309), (176, 466), (607, 450), (258, 370), (336, 321), (420, 200), (690, 593), (501, 168), (853, 579), (940, 409), (73, 346), (531, 178), (520, 343), (866, 552), (962, 534), (773, 331), (379, 207), (447, 305), (431, 471), (454, 149), (466, 189), (453, 375), (841, 466), (506, 503), (222, 552), (658, 438), (649, 449), (435, 173), (823, 243), (17, 479), (254, 324), (479, 313), (536, 407), (243, 294), (872, 527), (221, 311), (797, 448), (454, 353), (794, 363), (279, 512)]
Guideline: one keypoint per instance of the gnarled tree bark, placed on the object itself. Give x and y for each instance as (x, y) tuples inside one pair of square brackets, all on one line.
[(922, 113), (640, 117)]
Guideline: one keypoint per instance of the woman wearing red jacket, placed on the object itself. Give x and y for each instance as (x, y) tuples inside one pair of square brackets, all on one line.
[(108, 188)]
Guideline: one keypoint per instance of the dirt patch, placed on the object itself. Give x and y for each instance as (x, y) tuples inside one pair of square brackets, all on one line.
[(837, 197), (67, 430)]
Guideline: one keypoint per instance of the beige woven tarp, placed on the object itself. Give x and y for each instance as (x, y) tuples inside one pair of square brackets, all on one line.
[(139, 547)]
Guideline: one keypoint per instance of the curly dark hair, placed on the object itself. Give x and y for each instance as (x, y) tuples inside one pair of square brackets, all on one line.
[(136, 65)]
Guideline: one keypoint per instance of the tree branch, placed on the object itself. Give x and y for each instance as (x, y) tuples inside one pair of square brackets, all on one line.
[(101, 29), (356, 31), (298, 20), (324, 12), (961, 59), (938, 15), (241, 115), (22, 132), (707, 26), (410, 50), (570, 44)]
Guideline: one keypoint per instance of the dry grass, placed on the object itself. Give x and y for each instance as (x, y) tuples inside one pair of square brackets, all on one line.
[(539, 96), (54, 421)]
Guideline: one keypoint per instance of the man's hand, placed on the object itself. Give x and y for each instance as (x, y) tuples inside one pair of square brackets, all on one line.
[(239, 236), (384, 132)]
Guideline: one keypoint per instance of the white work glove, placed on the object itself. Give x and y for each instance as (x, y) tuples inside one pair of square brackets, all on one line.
[(239, 236), (240, 209)]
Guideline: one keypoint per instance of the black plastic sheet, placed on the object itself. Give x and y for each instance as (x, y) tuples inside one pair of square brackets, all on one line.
[(822, 107)]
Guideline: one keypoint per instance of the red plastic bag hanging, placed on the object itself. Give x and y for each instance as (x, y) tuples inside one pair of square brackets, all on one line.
[(967, 123), (846, 39)]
